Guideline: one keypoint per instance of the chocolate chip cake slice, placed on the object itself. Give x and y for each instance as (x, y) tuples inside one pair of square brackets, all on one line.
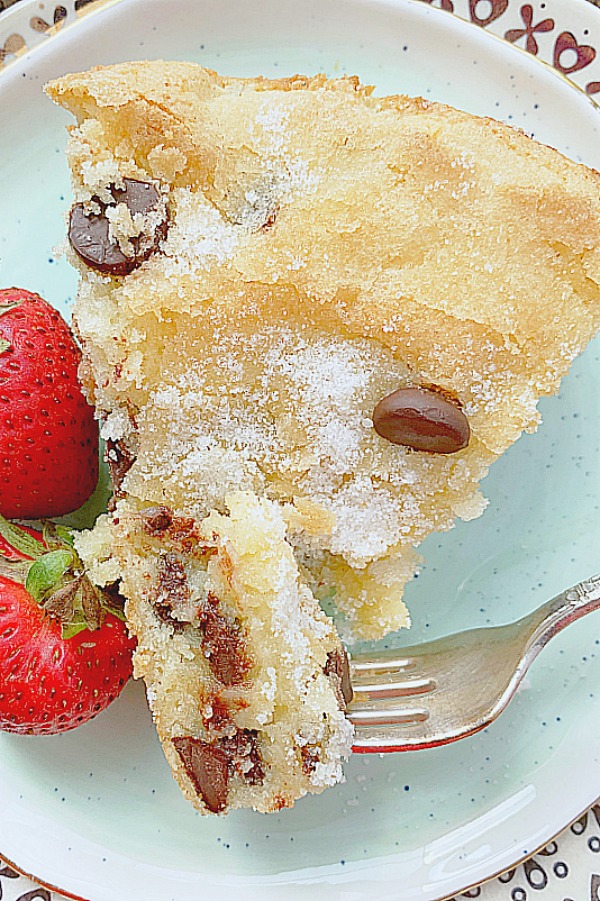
[(246, 677), (344, 303)]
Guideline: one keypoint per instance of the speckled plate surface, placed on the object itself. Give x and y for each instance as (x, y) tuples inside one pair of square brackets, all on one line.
[(95, 812)]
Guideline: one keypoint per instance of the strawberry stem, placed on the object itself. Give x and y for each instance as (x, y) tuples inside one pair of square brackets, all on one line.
[(54, 576), (47, 572), (55, 536)]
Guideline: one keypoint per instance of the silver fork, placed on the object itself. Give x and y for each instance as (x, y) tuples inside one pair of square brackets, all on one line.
[(443, 690)]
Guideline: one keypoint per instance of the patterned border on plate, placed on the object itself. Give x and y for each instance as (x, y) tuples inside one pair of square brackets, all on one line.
[(544, 29), (20, 31), (531, 872), (571, 47)]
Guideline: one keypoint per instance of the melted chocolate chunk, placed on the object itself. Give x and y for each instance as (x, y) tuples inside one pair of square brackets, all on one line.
[(89, 233), (423, 419), (120, 460), (270, 218), (89, 237), (173, 580), (223, 644), (219, 719), (173, 590), (245, 756), (310, 759), (156, 520), (184, 531), (208, 768), (338, 669), (139, 196)]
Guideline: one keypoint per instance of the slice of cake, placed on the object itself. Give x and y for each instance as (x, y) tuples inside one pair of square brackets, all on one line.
[(264, 262), (342, 306), (246, 677)]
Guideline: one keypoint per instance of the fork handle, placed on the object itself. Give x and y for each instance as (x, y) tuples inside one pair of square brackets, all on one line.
[(565, 608)]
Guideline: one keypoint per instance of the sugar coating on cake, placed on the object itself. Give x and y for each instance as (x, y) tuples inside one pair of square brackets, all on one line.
[(245, 675), (325, 247)]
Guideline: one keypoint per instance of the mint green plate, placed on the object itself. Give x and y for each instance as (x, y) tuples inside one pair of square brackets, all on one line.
[(95, 812)]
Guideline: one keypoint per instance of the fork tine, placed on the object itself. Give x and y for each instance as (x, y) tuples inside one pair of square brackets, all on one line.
[(382, 717), (388, 688), (388, 666), (452, 687), (380, 664)]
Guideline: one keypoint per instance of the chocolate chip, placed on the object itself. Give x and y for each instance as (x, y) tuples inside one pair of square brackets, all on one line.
[(156, 519), (89, 238), (218, 715), (424, 419), (182, 531), (208, 768), (172, 590), (244, 755), (338, 669), (173, 580), (270, 218), (310, 758), (185, 533), (223, 644), (89, 232), (120, 460), (139, 196)]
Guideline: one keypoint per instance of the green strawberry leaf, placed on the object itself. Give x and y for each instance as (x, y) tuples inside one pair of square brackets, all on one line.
[(56, 579), (47, 571), (111, 603), (21, 540), (15, 570), (55, 536), (4, 345), (76, 605), (70, 630), (65, 535), (61, 603), (90, 604)]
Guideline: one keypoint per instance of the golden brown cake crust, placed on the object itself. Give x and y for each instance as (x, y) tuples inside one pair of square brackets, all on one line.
[(269, 270), (389, 242)]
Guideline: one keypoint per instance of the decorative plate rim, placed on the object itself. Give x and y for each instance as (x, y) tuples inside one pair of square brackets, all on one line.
[(13, 44), (69, 14), (521, 860)]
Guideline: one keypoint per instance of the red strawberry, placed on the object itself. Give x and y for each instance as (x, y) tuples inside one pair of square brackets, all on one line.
[(48, 435), (64, 649)]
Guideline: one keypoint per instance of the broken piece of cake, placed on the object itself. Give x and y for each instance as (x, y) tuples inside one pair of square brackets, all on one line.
[(344, 307), (246, 677)]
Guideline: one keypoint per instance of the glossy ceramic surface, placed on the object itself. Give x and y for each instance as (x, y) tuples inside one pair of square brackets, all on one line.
[(95, 812)]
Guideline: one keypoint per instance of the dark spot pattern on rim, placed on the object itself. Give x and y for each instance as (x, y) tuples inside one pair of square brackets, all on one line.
[(571, 60)]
